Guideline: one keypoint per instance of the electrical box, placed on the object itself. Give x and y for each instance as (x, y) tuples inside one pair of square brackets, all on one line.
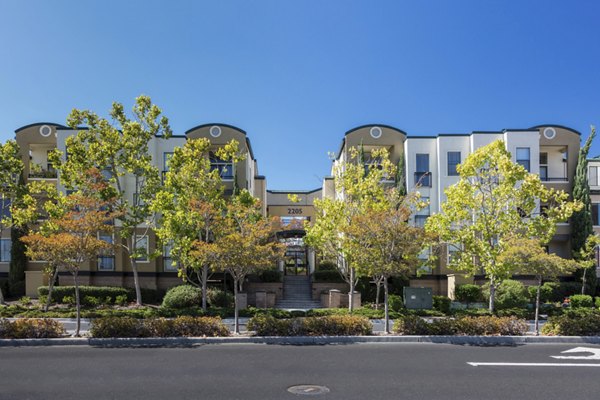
[(418, 298)]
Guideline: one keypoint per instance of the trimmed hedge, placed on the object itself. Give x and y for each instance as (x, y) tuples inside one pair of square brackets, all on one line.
[(30, 328), (471, 326), (182, 296), (158, 327), (577, 322), (333, 325), (468, 293), (581, 301), (442, 304), (101, 293)]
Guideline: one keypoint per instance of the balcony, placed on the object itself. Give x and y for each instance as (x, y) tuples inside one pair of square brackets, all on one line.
[(554, 164), (423, 179), (41, 173)]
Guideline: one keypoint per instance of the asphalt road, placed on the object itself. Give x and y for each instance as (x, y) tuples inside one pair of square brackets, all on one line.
[(363, 371)]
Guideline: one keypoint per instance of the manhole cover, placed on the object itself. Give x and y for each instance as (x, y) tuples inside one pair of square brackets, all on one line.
[(308, 390)]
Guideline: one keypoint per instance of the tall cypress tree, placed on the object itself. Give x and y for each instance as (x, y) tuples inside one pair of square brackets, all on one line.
[(400, 176), (18, 262), (582, 225)]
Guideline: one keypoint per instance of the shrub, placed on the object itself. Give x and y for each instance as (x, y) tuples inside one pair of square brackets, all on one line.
[(101, 292), (476, 326), (219, 298), (567, 289), (34, 328), (327, 276), (332, 325), (547, 292), (68, 300), (395, 302), (468, 293), (91, 301), (158, 327), (576, 322), (25, 300), (327, 266), (581, 300), (442, 304), (597, 302), (514, 312), (182, 296), (270, 275), (121, 299), (509, 294)]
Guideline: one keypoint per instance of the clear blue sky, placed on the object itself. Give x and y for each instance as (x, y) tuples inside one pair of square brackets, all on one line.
[(296, 75)]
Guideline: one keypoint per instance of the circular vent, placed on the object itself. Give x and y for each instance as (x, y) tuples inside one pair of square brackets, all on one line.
[(549, 133), (215, 131), (45, 130), (375, 132)]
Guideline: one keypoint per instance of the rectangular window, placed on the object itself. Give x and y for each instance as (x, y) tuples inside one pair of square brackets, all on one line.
[(5, 207), (142, 249), (593, 176), (595, 214), (106, 261), (524, 157), (422, 174), (5, 245), (453, 161), (225, 167), (544, 166), (422, 214), (166, 158), (453, 251), (167, 259)]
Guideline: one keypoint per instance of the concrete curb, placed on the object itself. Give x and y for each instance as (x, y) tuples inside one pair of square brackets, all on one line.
[(301, 340)]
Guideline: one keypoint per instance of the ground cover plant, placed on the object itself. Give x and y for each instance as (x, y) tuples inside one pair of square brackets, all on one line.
[(158, 327)]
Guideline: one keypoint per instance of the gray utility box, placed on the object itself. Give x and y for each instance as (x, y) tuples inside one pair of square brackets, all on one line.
[(418, 298)]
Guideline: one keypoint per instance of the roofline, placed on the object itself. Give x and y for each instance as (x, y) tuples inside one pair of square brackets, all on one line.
[(556, 126), (213, 124), (294, 191), (54, 124), (381, 125)]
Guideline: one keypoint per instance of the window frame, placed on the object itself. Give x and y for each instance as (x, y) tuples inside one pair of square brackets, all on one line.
[(520, 161), (4, 259), (451, 167)]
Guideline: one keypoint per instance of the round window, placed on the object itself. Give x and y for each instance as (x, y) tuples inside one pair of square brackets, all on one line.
[(549, 133), (45, 130), (215, 131), (376, 132)]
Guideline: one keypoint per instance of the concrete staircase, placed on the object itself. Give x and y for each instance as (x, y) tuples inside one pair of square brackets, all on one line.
[(297, 294)]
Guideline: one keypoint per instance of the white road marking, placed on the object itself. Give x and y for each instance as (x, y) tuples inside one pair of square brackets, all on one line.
[(499, 364), (595, 354)]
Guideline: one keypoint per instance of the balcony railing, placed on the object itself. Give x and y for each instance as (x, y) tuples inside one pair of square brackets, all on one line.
[(43, 174), (554, 179), (423, 179)]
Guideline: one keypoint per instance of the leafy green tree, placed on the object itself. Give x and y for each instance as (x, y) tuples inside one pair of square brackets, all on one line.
[(120, 149), (244, 244), (586, 259), (358, 190), (528, 256), (385, 244), (69, 237), (191, 204), (494, 200), (11, 170), (581, 221)]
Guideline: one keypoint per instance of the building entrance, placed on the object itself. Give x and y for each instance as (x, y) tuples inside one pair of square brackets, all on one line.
[(296, 254)]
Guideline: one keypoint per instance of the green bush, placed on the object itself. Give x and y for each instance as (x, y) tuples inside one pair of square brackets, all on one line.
[(149, 296), (567, 289), (68, 300), (270, 275), (473, 326), (182, 296), (121, 300), (597, 302), (468, 293), (31, 328), (581, 301), (442, 304), (515, 312), (509, 294), (158, 327), (25, 300), (395, 302), (332, 325), (219, 298), (576, 322), (548, 292), (327, 266), (91, 301), (327, 276)]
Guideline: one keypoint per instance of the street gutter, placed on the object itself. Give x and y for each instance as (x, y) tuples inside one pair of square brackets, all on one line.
[(300, 340)]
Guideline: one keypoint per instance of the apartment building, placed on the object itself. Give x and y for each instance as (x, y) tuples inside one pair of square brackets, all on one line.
[(429, 165)]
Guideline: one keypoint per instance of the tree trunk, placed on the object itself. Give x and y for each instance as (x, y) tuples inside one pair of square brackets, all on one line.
[(351, 294), (386, 305), (204, 282), (378, 284), (537, 307), (236, 326), (77, 303), (136, 282), (583, 281), (492, 295), (1, 296), (50, 289)]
